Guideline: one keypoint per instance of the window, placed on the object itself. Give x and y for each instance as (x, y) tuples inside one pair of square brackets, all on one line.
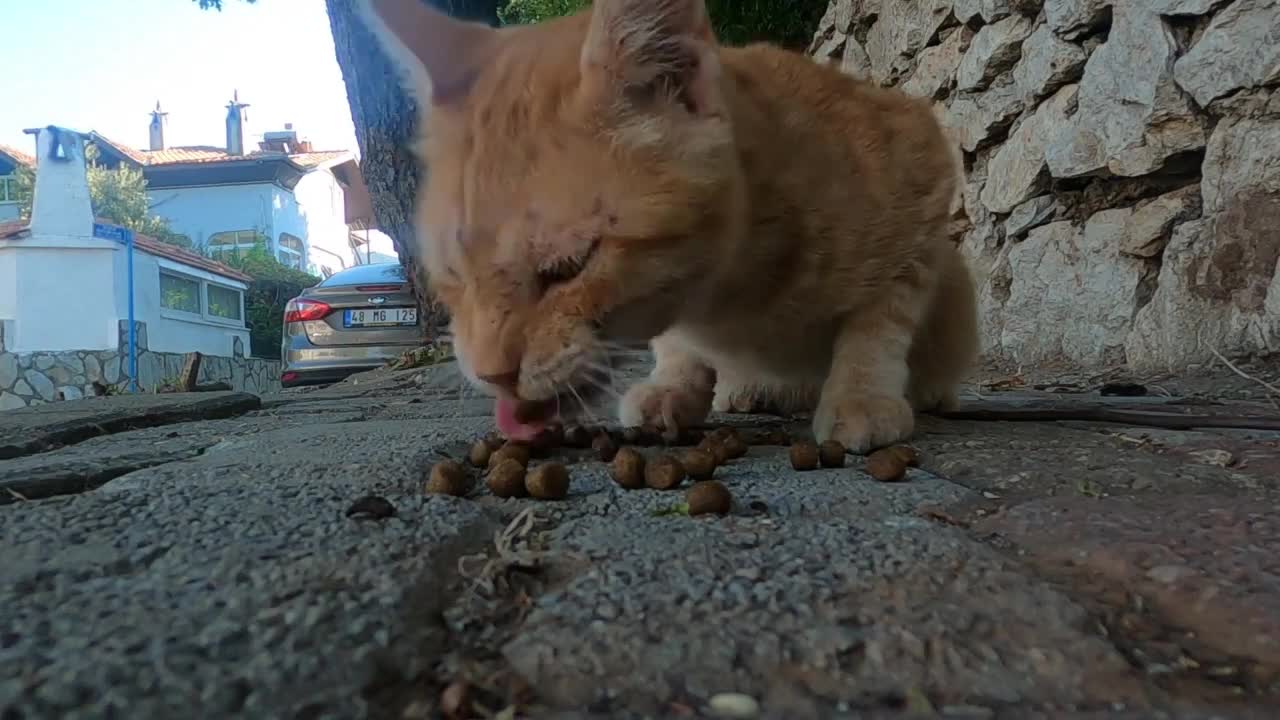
[(233, 241), (179, 293), (8, 189), (224, 302), (196, 299), (290, 251)]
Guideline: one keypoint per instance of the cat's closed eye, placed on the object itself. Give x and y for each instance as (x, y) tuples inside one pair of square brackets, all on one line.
[(558, 271)]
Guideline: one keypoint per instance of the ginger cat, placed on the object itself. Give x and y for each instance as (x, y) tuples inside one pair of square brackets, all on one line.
[(774, 228)]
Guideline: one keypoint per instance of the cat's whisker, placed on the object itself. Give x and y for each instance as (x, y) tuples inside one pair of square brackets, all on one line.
[(581, 403)]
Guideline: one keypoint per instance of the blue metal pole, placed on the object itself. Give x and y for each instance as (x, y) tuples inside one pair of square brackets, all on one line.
[(133, 340)]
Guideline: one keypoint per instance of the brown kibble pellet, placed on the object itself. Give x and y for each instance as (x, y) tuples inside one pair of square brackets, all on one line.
[(628, 468), (663, 473), (510, 451), (577, 437), (709, 496), (734, 445), (699, 463), (448, 478), (494, 440), (886, 466), (551, 438), (909, 455), (804, 455), (549, 481), (604, 446), (650, 434), (831, 454), (479, 453), (455, 701), (506, 479), (717, 449)]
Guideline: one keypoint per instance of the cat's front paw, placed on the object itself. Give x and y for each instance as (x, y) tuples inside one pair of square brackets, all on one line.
[(666, 406), (863, 422), (737, 398)]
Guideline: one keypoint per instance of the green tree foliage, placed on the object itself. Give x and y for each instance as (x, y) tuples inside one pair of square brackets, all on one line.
[(118, 195), (789, 23), (273, 286)]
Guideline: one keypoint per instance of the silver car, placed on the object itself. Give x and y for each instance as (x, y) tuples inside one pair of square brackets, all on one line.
[(355, 320)]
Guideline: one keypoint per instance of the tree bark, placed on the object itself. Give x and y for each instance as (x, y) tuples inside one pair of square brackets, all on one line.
[(385, 120)]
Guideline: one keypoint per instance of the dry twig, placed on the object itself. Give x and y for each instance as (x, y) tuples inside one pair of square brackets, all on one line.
[(509, 554), (1232, 367)]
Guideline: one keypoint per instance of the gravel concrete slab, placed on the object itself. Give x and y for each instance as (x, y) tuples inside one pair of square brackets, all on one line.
[(90, 464), (232, 584), (36, 429), (809, 616)]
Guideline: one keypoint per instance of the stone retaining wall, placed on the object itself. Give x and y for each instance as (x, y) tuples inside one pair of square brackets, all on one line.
[(35, 378), (1123, 163)]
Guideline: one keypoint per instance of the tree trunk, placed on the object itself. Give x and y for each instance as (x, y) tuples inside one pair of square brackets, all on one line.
[(385, 118)]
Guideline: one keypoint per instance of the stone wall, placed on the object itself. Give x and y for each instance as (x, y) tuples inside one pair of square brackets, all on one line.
[(35, 378), (1123, 159)]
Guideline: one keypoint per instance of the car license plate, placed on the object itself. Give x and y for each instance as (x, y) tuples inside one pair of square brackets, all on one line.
[(379, 317)]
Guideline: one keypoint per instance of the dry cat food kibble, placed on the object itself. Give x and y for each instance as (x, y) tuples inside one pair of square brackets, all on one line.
[(510, 451), (374, 507), (804, 455), (577, 437), (886, 465), (734, 445), (628, 468), (907, 454), (699, 463), (709, 496), (549, 439), (717, 449), (549, 481), (604, 447), (663, 473), (479, 453), (831, 454), (506, 479), (448, 478)]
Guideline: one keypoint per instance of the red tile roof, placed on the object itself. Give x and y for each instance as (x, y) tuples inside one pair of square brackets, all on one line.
[(152, 246), (18, 156), (120, 148), (12, 229), (201, 154)]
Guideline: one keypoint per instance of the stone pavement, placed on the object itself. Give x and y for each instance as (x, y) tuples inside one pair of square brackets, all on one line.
[(192, 556)]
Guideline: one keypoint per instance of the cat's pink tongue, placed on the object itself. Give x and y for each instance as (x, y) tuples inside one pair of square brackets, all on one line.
[(511, 424)]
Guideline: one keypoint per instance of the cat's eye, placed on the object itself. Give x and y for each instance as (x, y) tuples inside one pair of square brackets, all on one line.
[(563, 269)]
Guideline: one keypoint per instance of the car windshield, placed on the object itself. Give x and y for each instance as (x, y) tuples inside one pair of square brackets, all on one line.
[(380, 274)]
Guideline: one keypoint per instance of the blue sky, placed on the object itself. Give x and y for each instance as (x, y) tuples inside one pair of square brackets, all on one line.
[(102, 65)]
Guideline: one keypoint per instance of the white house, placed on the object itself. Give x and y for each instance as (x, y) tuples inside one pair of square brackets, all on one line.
[(64, 287), (10, 161), (304, 205)]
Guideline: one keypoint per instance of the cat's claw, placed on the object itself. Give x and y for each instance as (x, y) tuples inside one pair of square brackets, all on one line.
[(665, 406), (864, 422)]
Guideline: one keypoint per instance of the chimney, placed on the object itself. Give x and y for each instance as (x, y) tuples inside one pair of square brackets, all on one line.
[(284, 141), (158, 122), (235, 125), (61, 206)]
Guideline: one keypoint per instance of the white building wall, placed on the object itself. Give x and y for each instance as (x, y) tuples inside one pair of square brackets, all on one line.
[(64, 296), (199, 212), (171, 330), (320, 198)]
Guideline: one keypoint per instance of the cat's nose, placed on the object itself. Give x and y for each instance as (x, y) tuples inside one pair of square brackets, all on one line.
[(508, 381)]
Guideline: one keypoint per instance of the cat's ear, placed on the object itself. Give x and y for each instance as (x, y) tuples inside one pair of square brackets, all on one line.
[(440, 55), (663, 46)]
